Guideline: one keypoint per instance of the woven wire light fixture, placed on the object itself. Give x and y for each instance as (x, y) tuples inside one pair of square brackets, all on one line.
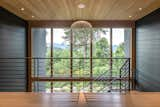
[(81, 24)]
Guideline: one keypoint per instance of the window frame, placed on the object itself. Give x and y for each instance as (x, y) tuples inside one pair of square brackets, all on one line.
[(61, 24)]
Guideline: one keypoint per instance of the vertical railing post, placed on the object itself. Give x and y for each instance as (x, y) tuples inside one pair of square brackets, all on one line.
[(34, 68), (111, 61), (129, 85), (51, 63), (37, 60), (120, 83), (34, 72), (37, 67)]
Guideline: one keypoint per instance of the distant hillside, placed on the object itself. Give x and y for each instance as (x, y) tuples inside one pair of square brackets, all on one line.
[(63, 46), (58, 46)]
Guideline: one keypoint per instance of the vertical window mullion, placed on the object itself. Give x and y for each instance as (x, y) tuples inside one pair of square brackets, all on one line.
[(91, 71), (71, 60), (111, 51), (51, 74)]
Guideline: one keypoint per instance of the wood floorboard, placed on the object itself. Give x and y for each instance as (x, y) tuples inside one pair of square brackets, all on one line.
[(131, 99)]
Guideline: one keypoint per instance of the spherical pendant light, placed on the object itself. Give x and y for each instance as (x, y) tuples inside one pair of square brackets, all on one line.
[(81, 24)]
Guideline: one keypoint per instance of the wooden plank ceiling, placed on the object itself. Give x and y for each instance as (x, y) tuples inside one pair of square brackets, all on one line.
[(68, 9)]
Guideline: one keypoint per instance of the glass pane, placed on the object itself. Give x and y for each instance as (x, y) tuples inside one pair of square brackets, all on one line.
[(41, 42), (100, 87), (81, 51), (81, 87), (46, 87), (116, 66), (61, 67), (101, 42), (81, 42), (61, 52), (61, 43), (115, 85), (61, 86), (121, 48), (41, 87), (81, 67), (121, 42), (101, 67), (41, 67), (41, 46), (101, 50)]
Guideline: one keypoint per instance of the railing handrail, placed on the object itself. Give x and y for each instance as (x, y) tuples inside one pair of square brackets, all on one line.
[(65, 58)]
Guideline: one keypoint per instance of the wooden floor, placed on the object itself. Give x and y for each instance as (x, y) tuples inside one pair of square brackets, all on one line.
[(132, 99)]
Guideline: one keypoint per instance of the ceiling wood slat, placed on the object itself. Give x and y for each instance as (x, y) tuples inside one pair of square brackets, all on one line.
[(68, 9)]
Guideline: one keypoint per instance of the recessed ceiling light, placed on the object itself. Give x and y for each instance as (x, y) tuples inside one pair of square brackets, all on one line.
[(81, 5), (22, 9), (140, 8), (33, 16), (130, 16)]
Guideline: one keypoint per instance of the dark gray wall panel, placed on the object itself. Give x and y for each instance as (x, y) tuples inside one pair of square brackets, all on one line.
[(148, 52), (12, 44)]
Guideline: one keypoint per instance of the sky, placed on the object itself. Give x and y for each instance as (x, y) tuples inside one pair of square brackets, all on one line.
[(118, 35)]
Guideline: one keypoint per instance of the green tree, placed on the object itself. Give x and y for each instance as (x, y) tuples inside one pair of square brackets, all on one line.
[(119, 62)]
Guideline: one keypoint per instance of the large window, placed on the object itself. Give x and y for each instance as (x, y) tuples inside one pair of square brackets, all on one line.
[(61, 52), (101, 50), (73, 60), (81, 40)]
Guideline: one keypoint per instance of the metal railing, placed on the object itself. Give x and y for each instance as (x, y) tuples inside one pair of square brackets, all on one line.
[(125, 73), (113, 72)]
